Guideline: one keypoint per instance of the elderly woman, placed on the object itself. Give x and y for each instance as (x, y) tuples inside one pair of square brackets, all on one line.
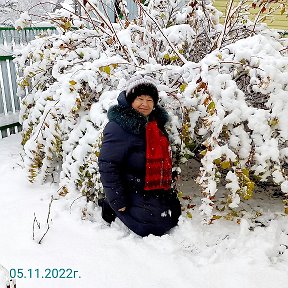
[(135, 162)]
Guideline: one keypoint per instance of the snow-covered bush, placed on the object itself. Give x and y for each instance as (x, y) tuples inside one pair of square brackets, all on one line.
[(224, 86)]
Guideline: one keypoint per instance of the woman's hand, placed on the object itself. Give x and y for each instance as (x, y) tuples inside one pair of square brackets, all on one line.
[(175, 176), (122, 209)]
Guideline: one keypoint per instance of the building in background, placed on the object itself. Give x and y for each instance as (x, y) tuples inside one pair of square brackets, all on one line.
[(276, 21)]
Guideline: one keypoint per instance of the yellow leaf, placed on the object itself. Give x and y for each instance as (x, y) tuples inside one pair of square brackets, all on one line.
[(63, 191), (225, 164), (245, 171), (219, 56), (25, 83), (282, 11), (183, 86), (250, 186), (72, 82), (75, 110), (258, 214), (217, 161), (180, 194), (66, 26), (211, 106), (248, 194), (81, 55), (286, 210), (174, 58), (166, 56), (273, 122), (105, 69), (203, 152), (229, 217), (188, 214), (216, 217), (285, 202)]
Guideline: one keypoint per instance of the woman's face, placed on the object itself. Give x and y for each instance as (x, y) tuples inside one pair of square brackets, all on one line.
[(144, 104)]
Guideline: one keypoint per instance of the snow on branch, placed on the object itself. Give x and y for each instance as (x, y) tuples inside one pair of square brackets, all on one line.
[(224, 86)]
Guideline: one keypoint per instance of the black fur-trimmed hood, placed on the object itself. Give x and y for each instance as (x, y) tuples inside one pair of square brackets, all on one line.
[(131, 120)]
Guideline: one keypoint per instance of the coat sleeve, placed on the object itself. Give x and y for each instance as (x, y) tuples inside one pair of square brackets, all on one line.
[(111, 162)]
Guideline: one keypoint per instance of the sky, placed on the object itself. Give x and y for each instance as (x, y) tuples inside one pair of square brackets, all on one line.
[(250, 254)]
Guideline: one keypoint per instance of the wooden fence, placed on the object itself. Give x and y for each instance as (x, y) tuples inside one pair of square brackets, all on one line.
[(9, 102), (9, 36), (10, 39)]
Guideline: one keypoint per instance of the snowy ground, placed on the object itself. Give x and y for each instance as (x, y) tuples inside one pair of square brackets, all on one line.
[(226, 254)]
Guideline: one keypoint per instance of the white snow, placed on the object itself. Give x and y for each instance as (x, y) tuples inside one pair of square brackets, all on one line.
[(221, 255)]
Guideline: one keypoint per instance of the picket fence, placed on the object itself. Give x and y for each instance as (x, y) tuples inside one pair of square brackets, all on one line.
[(10, 38), (9, 102)]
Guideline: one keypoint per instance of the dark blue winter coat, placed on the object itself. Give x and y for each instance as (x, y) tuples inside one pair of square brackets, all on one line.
[(122, 167)]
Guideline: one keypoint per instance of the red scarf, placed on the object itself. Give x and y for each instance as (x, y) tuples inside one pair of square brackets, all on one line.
[(158, 159)]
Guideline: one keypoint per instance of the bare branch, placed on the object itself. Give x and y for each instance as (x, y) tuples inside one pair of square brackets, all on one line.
[(159, 28), (47, 221), (35, 222)]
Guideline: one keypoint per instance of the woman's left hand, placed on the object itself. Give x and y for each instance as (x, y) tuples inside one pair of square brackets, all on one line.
[(175, 176)]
